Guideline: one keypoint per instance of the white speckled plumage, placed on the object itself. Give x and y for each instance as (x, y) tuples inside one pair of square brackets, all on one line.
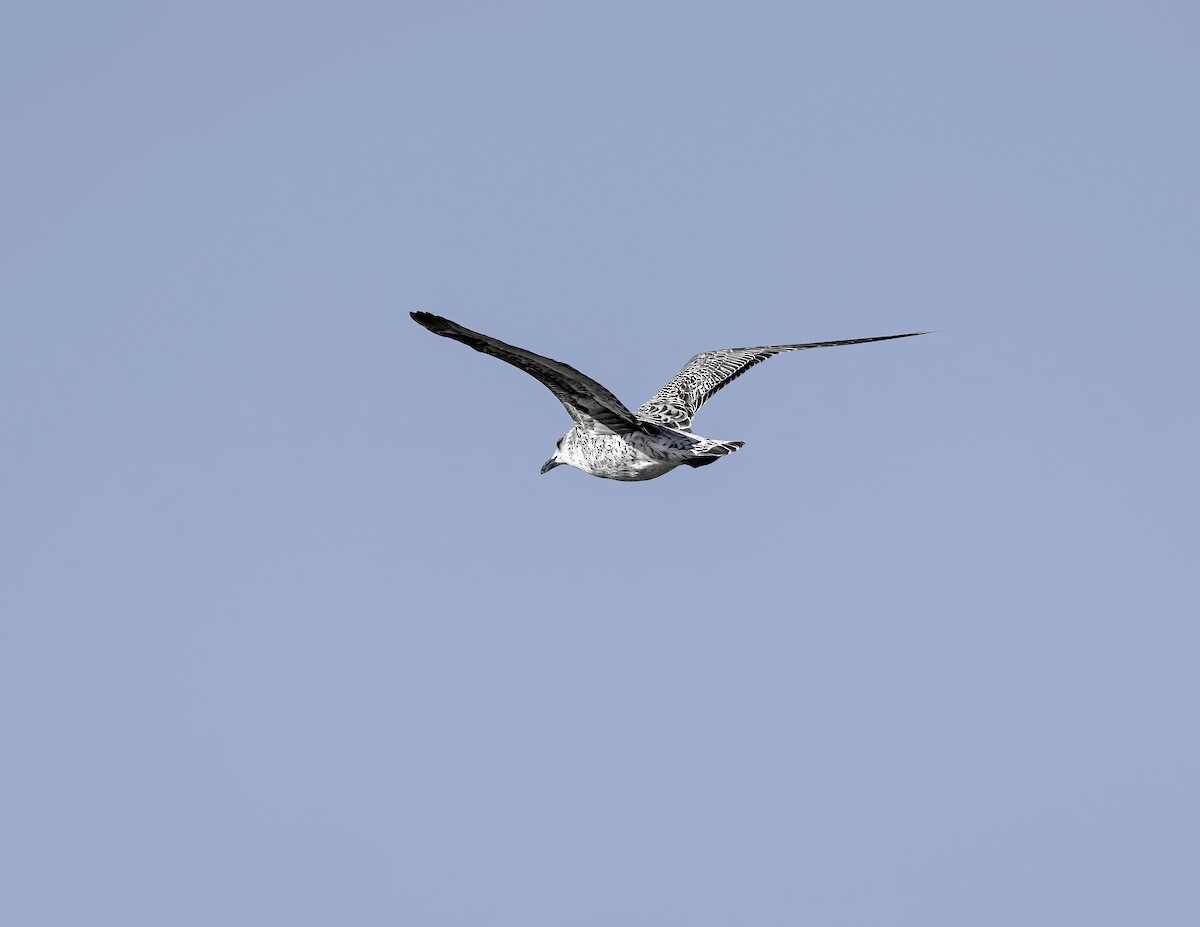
[(608, 440)]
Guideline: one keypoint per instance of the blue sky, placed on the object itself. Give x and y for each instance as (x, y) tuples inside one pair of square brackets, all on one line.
[(293, 630)]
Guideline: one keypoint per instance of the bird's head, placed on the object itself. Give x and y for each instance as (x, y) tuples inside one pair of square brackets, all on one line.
[(556, 460)]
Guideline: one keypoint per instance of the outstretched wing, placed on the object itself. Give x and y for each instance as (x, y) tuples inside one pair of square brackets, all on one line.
[(676, 403), (587, 402)]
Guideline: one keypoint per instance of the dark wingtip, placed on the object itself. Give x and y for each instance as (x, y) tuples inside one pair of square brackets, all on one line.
[(894, 337), (435, 323)]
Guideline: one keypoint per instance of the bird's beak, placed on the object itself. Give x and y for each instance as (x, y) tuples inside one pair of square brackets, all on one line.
[(550, 465)]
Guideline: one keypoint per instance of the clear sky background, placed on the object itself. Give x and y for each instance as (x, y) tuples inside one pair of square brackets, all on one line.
[(293, 631)]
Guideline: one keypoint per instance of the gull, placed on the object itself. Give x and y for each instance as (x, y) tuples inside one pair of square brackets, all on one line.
[(607, 439)]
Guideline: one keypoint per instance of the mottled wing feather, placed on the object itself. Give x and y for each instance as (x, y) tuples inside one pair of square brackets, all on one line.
[(705, 374), (585, 400)]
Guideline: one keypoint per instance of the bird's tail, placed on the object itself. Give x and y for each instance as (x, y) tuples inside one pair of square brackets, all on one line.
[(706, 452)]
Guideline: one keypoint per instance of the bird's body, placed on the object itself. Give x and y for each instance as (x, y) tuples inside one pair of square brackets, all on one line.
[(640, 455), (610, 441)]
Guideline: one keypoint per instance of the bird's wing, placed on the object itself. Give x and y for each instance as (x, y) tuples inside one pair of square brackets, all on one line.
[(587, 402), (676, 403)]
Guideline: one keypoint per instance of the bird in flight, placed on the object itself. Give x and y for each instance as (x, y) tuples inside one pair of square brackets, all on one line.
[(607, 439)]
